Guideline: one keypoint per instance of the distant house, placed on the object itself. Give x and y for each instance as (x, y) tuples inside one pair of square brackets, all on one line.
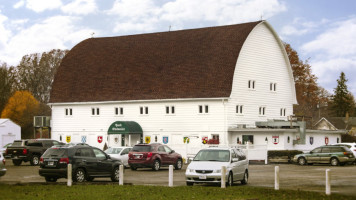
[(182, 88), (345, 124), (324, 124), (9, 131)]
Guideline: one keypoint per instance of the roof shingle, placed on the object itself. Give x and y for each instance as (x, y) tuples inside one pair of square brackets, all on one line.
[(195, 63)]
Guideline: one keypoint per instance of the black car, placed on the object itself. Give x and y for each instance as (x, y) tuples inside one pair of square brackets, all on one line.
[(87, 163)]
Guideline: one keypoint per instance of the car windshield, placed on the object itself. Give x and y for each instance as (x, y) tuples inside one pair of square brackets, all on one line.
[(142, 148), (55, 152), (113, 150), (213, 155)]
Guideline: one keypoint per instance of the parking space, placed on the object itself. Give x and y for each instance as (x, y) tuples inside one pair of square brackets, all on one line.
[(311, 178)]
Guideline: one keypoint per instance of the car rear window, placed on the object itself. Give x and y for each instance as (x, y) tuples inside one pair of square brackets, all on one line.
[(337, 149), (17, 143), (55, 152), (142, 148)]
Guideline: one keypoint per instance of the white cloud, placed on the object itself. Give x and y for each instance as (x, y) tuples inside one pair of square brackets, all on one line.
[(80, 7), (42, 5), (19, 4), (300, 27), (335, 51), (147, 13), (54, 32)]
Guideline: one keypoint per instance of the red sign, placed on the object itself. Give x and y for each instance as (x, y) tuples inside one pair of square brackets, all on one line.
[(100, 139), (326, 140), (275, 139)]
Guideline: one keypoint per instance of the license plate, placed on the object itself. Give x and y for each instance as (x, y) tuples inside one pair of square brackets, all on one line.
[(15, 157), (51, 163), (202, 177)]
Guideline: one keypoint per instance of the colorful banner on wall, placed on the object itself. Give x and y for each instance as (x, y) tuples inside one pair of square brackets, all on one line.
[(204, 140), (275, 139), (165, 139), (67, 139), (147, 139), (84, 139), (186, 140)]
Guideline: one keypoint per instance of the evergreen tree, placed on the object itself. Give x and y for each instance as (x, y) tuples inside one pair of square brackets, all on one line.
[(342, 100)]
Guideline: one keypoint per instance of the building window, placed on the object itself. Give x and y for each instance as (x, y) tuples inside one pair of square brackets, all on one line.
[(144, 110), (203, 109), (273, 87), (69, 111), (283, 112), (247, 138), (262, 111), (170, 110), (251, 84), (239, 109), (95, 111), (119, 110)]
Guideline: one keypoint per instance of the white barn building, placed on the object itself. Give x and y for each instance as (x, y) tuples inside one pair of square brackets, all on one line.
[(9, 131), (207, 83)]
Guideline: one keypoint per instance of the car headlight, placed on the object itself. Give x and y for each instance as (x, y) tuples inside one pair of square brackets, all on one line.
[(190, 170), (217, 171)]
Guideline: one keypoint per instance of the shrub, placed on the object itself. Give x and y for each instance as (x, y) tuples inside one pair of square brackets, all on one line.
[(280, 153), (348, 138)]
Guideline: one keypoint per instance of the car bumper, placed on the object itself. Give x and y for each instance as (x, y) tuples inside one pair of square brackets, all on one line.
[(59, 173), (203, 178), (346, 160), (141, 163), (2, 172)]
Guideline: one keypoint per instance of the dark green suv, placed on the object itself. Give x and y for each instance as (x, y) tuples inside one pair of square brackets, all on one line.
[(334, 155)]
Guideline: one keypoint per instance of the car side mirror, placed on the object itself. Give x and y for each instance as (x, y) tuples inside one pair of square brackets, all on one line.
[(235, 159), (172, 151), (108, 156)]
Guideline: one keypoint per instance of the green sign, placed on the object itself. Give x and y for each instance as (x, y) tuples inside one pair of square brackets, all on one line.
[(125, 127)]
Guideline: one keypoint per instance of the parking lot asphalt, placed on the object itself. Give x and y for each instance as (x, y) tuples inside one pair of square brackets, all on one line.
[(308, 178)]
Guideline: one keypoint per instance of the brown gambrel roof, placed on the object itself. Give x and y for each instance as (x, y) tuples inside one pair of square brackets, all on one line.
[(196, 63)]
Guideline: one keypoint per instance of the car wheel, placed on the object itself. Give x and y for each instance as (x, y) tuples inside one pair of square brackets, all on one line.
[(245, 180), (178, 164), (79, 176), (334, 161), (302, 161), (50, 179), (35, 160), (156, 165), (190, 183), (115, 176), (230, 180), (17, 162), (133, 168), (90, 178)]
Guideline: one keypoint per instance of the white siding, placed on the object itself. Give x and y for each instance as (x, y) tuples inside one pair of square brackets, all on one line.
[(186, 120), (9, 131), (261, 59)]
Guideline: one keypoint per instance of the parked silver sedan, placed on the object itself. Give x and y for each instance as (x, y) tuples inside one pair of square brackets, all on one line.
[(206, 166), (119, 153), (2, 165)]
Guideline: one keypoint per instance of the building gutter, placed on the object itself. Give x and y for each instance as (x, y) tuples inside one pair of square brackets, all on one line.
[(139, 101)]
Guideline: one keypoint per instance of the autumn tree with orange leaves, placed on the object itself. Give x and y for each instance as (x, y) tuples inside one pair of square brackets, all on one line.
[(20, 108), (312, 99)]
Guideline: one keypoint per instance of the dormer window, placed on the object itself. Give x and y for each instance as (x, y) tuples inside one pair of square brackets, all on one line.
[(251, 84), (273, 87)]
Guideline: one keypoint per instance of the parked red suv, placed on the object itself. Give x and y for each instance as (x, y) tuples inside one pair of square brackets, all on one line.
[(154, 155)]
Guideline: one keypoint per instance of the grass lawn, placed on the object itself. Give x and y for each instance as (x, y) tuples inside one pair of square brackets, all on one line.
[(114, 191)]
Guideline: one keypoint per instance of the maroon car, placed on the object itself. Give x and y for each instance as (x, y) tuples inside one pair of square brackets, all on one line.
[(154, 156)]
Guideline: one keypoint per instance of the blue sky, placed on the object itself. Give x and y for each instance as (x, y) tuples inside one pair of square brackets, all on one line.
[(322, 31)]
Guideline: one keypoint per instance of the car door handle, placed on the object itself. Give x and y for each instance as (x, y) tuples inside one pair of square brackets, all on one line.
[(84, 160)]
